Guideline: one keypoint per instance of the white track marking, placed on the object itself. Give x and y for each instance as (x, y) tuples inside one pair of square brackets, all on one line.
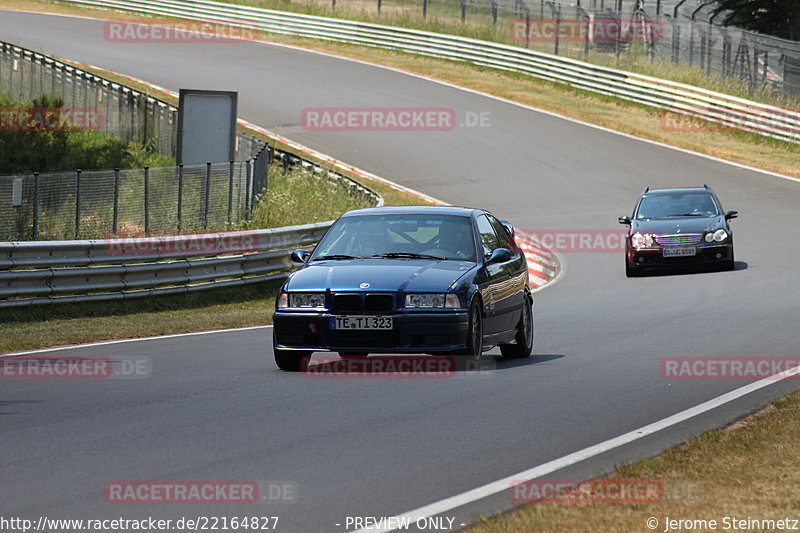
[(122, 341), (505, 483)]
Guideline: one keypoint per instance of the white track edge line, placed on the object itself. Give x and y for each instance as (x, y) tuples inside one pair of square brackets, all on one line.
[(138, 339), (505, 483)]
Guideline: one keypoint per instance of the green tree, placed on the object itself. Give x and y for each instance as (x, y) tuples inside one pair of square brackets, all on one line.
[(772, 17)]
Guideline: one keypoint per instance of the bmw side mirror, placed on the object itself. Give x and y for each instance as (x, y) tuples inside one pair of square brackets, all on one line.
[(731, 214), (624, 220), (500, 255), (299, 256), (508, 227)]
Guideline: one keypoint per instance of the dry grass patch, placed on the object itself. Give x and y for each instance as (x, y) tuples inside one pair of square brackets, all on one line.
[(746, 470)]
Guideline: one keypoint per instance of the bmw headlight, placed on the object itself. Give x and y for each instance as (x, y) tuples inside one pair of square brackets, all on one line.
[(642, 241), (306, 299), (432, 301)]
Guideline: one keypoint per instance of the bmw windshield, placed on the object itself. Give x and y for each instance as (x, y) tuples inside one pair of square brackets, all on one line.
[(398, 236)]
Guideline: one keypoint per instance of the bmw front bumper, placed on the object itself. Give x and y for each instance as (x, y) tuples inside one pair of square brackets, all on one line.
[(413, 332)]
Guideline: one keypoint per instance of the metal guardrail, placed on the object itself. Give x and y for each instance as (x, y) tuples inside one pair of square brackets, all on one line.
[(74, 271), (671, 96)]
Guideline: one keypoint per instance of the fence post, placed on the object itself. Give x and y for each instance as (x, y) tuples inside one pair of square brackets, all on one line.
[(424, 8), (528, 29), (35, 206), (230, 192), (247, 189), (115, 222), (558, 29), (77, 204), (146, 200), (207, 193), (463, 10), (144, 119), (180, 195), (379, 7)]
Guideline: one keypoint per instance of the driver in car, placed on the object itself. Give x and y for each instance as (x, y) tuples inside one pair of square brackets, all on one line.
[(454, 238)]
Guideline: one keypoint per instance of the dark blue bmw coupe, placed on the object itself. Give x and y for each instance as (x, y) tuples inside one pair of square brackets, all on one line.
[(410, 279)]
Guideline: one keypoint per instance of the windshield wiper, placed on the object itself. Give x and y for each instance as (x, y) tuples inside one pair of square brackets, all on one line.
[(336, 256), (409, 255), (689, 215)]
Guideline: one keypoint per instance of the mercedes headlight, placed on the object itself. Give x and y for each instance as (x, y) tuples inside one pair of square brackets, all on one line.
[(642, 241), (720, 235)]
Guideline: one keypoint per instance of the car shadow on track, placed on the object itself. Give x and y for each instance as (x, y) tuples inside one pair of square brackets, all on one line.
[(9, 403), (534, 359), (689, 270)]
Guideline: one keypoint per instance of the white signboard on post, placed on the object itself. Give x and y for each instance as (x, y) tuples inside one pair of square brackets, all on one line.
[(206, 126)]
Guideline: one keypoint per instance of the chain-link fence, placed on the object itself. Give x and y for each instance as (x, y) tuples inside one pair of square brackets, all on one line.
[(106, 106), (116, 109), (100, 203), (675, 31), (96, 203)]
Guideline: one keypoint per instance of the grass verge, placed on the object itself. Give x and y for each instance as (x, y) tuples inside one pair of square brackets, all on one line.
[(747, 471), (295, 196), (44, 326)]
